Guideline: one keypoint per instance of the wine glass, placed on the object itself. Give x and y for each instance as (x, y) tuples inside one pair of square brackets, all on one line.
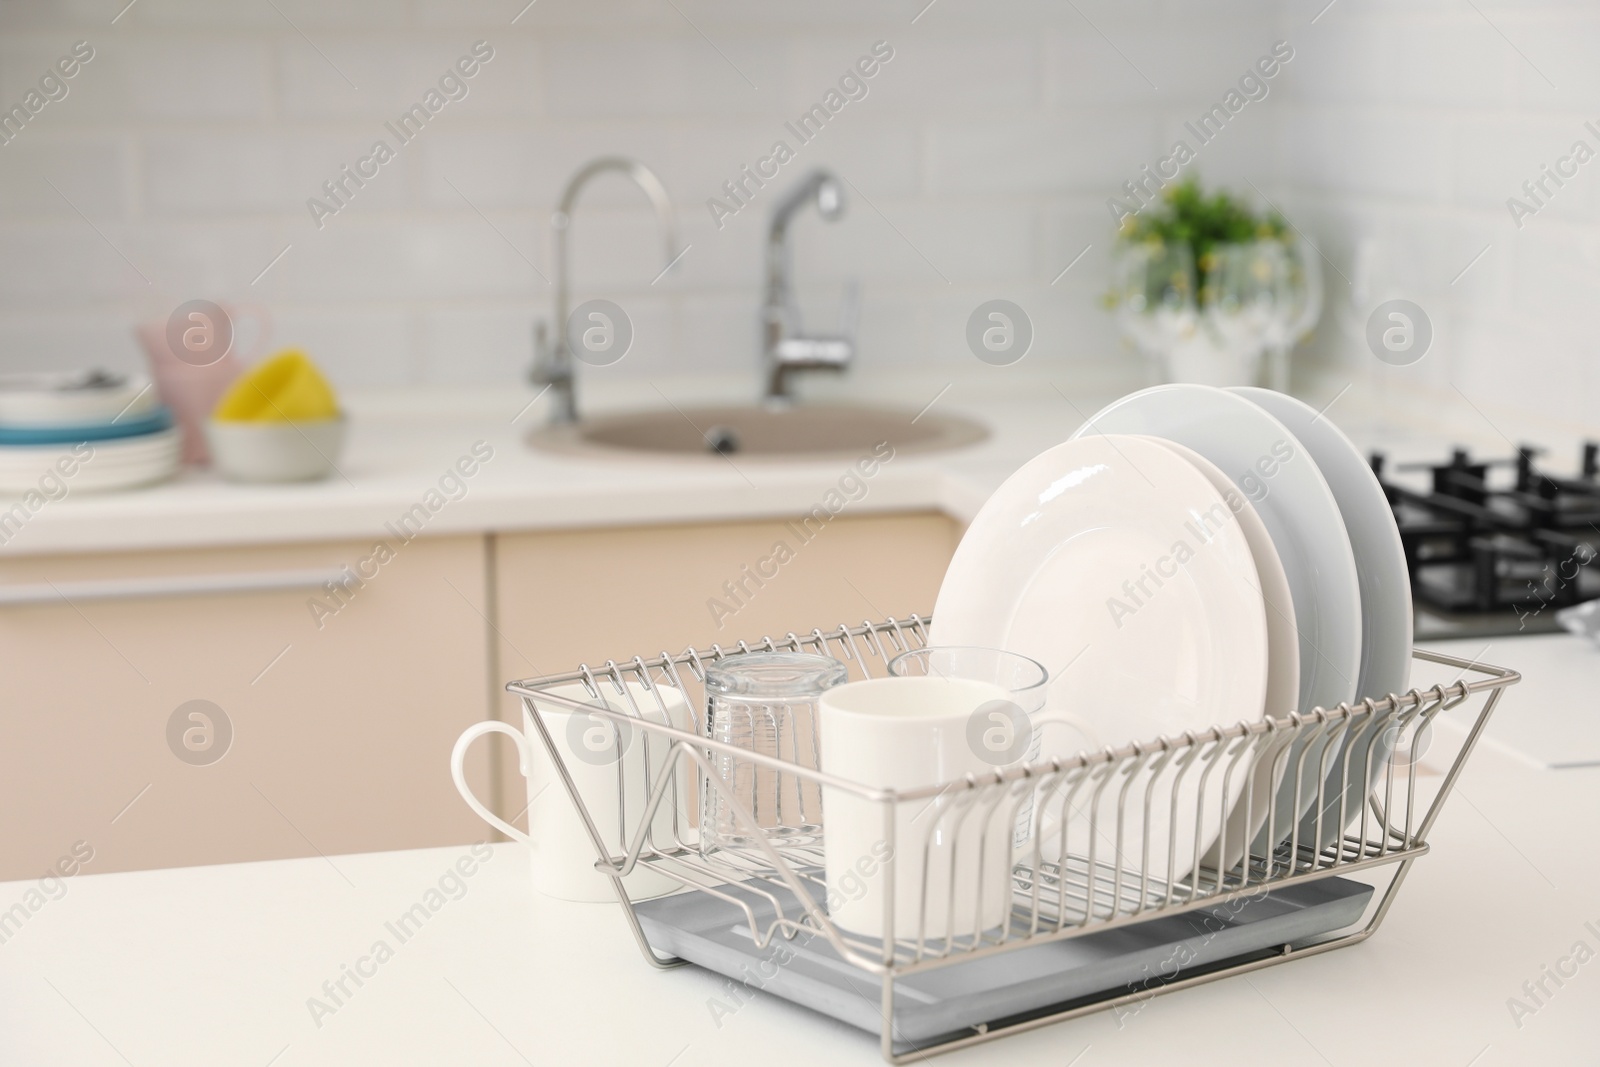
[(1300, 307), (1245, 295), (1153, 289)]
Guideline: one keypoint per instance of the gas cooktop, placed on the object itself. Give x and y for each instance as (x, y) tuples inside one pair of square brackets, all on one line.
[(1498, 546)]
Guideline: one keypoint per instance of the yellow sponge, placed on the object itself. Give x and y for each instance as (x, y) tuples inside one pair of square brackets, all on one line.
[(285, 388)]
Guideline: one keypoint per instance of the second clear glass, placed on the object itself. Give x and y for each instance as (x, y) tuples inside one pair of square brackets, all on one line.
[(765, 702), (1005, 736)]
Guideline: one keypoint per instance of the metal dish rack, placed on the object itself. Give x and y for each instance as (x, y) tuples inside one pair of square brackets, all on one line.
[(1094, 858)]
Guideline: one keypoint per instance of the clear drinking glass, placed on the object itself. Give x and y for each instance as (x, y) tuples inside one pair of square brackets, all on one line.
[(1003, 736), (765, 702)]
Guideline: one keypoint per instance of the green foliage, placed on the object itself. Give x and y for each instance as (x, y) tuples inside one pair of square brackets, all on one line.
[(1188, 216)]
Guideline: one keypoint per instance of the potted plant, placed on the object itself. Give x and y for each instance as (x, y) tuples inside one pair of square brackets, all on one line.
[(1204, 284)]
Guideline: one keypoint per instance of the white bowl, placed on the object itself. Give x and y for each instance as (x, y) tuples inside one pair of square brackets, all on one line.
[(74, 398), (275, 451)]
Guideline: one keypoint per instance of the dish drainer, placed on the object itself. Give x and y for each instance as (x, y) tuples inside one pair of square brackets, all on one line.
[(1086, 866)]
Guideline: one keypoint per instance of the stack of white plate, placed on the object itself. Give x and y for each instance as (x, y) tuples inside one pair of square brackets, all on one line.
[(82, 432), (1195, 557)]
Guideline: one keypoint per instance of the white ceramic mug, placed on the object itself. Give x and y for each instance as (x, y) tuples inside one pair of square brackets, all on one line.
[(562, 854), (1011, 731), (906, 733)]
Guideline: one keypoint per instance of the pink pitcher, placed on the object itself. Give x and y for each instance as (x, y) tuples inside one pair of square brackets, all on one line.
[(194, 355)]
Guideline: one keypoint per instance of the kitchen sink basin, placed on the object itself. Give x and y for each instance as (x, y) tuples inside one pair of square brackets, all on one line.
[(800, 432)]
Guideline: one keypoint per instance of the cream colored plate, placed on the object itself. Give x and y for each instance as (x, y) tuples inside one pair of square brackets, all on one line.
[(1115, 563)]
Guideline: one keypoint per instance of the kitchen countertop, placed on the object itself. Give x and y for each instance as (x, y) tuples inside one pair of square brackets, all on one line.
[(401, 443), (216, 965)]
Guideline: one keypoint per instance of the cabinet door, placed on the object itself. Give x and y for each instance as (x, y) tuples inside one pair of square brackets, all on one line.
[(567, 597), (322, 729)]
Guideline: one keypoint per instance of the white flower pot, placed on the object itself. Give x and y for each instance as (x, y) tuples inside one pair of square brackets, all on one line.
[(1200, 360)]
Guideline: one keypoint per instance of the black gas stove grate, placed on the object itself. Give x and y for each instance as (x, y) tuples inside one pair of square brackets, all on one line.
[(1498, 546)]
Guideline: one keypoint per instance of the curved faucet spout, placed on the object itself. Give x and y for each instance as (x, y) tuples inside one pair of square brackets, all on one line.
[(787, 349), (553, 361), (820, 187)]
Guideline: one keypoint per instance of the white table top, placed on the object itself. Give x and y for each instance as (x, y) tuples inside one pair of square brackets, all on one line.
[(216, 965)]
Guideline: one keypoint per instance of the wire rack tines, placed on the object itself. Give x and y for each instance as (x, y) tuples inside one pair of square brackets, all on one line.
[(1074, 846)]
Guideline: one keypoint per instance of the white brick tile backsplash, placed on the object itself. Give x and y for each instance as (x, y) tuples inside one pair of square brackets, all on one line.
[(93, 173), (60, 264), (1367, 151), (529, 167), (216, 259), (1084, 151), (1074, 229), (875, 152), (1082, 69), (192, 174), (32, 339), (1494, 157), (1412, 130), (950, 74), (361, 347), (53, 15), (473, 345), (721, 333), (1556, 67), (248, 14), (366, 259), (1247, 149), (176, 76), (666, 74), (394, 71), (980, 163), (1556, 270), (546, 15), (654, 352), (920, 244), (1459, 63), (1202, 61), (1492, 362)]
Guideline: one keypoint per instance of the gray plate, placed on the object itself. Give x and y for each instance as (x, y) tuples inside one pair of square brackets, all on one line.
[(939, 1004)]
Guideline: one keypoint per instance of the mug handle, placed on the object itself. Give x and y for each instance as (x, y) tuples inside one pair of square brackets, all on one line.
[(458, 756)]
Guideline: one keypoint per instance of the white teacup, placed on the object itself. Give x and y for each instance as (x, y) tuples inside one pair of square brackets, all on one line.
[(561, 851), (906, 733)]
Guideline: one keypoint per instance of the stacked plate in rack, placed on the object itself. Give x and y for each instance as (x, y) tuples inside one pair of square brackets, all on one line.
[(1194, 557), (82, 432)]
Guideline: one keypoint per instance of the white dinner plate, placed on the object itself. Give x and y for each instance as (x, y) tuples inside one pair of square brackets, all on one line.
[(1283, 645), (1115, 563), (1277, 474), (1386, 621), (117, 464)]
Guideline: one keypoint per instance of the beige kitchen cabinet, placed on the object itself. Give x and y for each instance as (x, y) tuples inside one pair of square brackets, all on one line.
[(342, 718), (565, 597), (343, 706)]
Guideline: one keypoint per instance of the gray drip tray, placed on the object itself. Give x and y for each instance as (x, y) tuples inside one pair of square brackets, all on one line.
[(938, 1004)]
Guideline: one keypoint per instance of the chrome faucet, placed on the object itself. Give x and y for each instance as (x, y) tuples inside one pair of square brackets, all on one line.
[(787, 349), (552, 363)]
